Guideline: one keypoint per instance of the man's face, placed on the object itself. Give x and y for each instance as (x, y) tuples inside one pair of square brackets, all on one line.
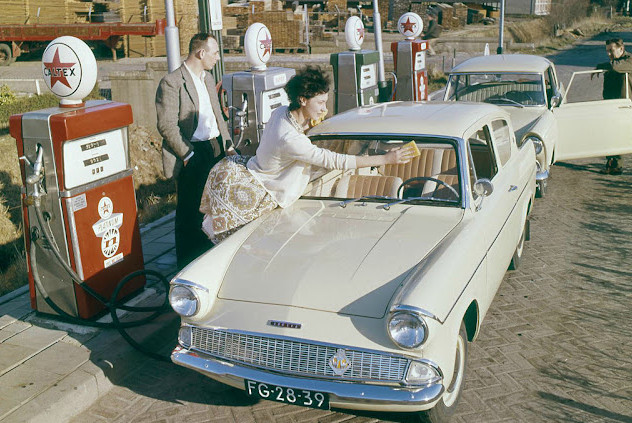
[(210, 54), (614, 51)]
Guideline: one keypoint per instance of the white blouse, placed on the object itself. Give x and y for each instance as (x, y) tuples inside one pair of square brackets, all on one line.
[(286, 159)]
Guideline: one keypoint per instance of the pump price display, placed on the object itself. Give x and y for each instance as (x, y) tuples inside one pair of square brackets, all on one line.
[(102, 155), (368, 77)]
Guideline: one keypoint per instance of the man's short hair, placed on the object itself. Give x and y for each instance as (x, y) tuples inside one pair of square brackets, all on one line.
[(616, 41), (199, 41)]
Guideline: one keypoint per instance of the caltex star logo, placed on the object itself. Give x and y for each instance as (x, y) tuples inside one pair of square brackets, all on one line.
[(266, 44), (408, 25), (59, 71), (360, 33)]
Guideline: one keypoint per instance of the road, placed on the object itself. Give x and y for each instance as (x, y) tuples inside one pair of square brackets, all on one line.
[(556, 345)]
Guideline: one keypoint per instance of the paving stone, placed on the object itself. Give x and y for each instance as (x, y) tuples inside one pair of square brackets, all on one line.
[(12, 355), (61, 358)]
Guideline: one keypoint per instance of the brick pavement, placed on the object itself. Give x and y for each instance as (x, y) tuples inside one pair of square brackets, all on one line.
[(556, 345)]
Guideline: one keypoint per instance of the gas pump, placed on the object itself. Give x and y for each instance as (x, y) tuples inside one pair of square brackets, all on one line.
[(409, 57), (254, 94), (355, 71), (78, 201)]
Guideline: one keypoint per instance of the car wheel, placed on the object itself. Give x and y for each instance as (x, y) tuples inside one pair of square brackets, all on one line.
[(5, 55), (444, 409), (517, 256), (540, 189)]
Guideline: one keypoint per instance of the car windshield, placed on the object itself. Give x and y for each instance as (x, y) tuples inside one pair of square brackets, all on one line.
[(507, 89), (430, 178)]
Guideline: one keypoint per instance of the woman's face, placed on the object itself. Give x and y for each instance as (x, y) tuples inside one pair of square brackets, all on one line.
[(614, 51), (314, 107)]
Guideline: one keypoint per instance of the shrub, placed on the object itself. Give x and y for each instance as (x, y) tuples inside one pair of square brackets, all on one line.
[(6, 95)]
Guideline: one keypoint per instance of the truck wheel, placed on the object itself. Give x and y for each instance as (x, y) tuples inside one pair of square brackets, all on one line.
[(5, 55), (444, 409)]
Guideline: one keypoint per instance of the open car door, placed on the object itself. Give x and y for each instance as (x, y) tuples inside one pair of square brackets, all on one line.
[(588, 125)]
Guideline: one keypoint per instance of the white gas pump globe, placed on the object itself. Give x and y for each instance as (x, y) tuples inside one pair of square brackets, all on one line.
[(70, 69), (410, 25), (258, 46), (354, 33)]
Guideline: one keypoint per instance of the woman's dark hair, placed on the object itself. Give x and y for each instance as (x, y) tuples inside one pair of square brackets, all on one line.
[(308, 83), (616, 41)]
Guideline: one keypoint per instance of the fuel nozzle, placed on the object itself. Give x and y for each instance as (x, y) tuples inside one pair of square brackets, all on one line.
[(37, 167)]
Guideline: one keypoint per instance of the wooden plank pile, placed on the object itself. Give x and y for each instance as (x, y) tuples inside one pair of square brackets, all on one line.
[(287, 28), (460, 13)]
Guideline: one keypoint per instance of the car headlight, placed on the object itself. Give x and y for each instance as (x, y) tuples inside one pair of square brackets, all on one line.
[(537, 143), (422, 373), (407, 330), (185, 336), (183, 300)]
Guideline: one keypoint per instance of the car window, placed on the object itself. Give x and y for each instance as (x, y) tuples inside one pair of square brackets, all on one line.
[(433, 175), (595, 86), (502, 137), (521, 89), (549, 85), (482, 154)]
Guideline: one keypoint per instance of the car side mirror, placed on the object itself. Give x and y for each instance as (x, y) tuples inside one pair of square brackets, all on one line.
[(556, 100), (483, 187)]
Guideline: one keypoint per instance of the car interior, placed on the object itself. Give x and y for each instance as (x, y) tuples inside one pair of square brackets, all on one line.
[(433, 174), (523, 92)]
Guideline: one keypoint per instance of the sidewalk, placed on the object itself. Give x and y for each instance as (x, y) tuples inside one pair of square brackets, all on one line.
[(51, 371)]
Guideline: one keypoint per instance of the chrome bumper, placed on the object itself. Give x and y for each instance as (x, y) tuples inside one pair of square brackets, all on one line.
[(541, 175), (350, 395)]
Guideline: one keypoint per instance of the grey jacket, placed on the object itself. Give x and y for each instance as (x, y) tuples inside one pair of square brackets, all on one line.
[(177, 111)]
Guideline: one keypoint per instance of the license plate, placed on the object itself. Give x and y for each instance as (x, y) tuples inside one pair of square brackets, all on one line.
[(294, 396)]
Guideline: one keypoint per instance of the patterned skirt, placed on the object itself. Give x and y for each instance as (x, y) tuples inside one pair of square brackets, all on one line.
[(232, 197)]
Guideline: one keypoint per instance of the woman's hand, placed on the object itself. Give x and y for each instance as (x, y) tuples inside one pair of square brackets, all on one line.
[(399, 155)]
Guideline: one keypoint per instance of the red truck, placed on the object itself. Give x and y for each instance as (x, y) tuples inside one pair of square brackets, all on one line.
[(18, 39)]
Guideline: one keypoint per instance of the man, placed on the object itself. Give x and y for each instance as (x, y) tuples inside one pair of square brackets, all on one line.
[(614, 86), (195, 137), (432, 32)]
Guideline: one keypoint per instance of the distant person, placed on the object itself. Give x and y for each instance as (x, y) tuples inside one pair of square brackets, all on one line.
[(432, 32), (195, 137), (614, 86)]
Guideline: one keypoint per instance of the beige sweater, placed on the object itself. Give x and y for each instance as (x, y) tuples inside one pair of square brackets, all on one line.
[(286, 159)]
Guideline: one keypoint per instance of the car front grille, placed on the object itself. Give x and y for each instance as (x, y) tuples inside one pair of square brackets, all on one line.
[(297, 357)]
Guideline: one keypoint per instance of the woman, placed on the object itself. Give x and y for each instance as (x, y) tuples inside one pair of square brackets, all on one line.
[(240, 189)]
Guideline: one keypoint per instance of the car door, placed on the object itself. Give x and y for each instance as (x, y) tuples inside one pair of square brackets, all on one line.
[(588, 125), (495, 211)]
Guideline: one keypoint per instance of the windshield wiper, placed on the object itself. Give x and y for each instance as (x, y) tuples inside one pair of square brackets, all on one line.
[(344, 203), (514, 102), (426, 198)]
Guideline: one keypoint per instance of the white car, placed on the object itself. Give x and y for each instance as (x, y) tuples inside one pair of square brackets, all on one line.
[(563, 125), (365, 293)]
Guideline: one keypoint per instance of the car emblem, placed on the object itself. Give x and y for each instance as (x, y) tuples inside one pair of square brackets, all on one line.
[(281, 324), (339, 362)]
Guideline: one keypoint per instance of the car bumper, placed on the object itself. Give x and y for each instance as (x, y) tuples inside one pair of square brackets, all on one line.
[(349, 395), (541, 174)]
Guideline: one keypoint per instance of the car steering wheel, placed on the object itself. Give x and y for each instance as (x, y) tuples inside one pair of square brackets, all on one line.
[(427, 178)]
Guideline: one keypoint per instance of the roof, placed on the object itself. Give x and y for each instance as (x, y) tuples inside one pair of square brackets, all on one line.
[(436, 118), (503, 63)]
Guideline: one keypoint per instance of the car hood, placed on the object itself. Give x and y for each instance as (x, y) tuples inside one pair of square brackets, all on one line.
[(321, 256), (525, 118)]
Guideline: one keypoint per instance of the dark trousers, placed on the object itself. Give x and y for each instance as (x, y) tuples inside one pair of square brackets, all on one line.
[(191, 241)]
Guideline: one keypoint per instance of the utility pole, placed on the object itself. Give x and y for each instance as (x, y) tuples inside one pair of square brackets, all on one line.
[(172, 38), (501, 28), (211, 23)]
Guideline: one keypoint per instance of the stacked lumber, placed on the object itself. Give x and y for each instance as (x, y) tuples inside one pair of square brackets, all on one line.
[(342, 6), (14, 11), (460, 13), (287, 28), (446, 15)]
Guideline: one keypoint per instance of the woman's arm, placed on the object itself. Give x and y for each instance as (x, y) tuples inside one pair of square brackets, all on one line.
[(395, 156)]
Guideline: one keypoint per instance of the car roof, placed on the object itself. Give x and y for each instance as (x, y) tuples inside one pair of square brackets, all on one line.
[(503, 63), (450, 119)]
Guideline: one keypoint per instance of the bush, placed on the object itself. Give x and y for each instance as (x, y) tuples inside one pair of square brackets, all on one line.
[(28, 104), (6, 95)]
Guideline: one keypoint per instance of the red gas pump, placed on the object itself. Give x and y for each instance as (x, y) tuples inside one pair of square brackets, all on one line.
[(409, 57), (78, 204)]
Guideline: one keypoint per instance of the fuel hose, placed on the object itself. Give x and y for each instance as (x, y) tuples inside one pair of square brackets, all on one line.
[(111, 304)]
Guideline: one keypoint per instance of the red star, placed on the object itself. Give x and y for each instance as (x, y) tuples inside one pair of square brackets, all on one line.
[(408, 25), (58, 70), (267, 45), (360, 33)]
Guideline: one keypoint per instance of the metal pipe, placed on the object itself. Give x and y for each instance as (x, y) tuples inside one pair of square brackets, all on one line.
[(377, 32), (172, 38), (501, 28)]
